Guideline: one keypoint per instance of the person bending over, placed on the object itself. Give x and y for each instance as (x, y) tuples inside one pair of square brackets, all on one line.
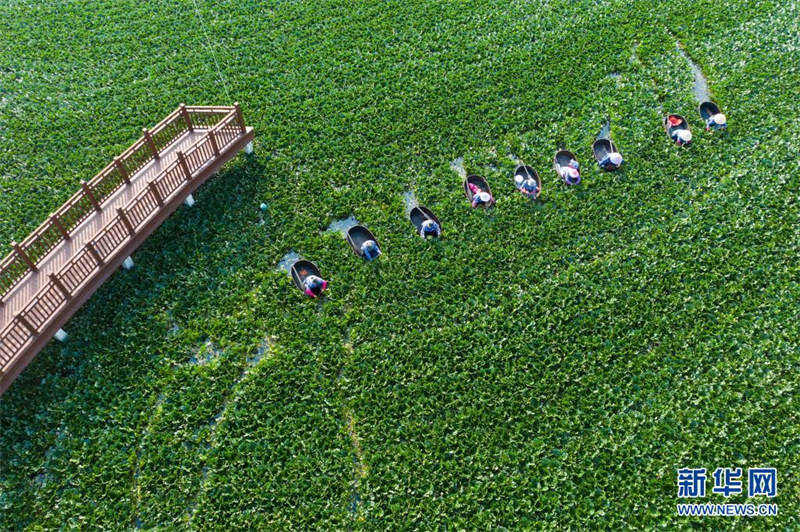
[(429, 228), (370, 250), (479, 196), (611, 161), (315, 285)]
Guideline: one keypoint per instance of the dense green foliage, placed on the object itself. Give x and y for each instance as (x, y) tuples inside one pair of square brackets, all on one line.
[(546, 365)]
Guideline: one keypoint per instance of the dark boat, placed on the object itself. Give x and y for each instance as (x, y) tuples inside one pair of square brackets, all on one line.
[(679, 125), (709, 109), (302, 269), (525, 172), (562, 160), (356, 236), (601, 148), (420, 214), (479, 182)]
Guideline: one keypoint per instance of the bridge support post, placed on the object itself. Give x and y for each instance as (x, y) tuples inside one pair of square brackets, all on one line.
[(125, 221), (212, 137), (59, 226), (150, 144), (239, 117), (127, 263), (156, 194), (189, 201), (61, 335), (185, 166), (58, 284), (186, 117), (122, 171), (94, 253), (89, 194), (25, 323), (24, 256)]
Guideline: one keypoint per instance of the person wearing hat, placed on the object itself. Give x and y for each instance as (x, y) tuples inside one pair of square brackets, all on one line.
[(571, 173), (480, 197), (679, 135), (682, 137), (528, 187), (717, 121), (370, 250), (315, 285), (429, 228), (611, 161)]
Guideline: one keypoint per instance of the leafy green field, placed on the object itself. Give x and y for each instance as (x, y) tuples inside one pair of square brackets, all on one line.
[(543, 366)]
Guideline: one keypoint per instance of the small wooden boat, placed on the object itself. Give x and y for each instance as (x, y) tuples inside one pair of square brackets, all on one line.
[(482, 184), (356, 236), (673, 125), (300, 270), (709, 109), (561, 162), (601, 148), (419, 215), (524, 172)]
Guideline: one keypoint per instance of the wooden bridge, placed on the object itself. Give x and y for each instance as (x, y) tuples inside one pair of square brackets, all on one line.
[(47, 277)]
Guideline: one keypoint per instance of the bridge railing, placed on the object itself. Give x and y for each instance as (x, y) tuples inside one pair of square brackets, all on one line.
[(60, 225), (67, 282)]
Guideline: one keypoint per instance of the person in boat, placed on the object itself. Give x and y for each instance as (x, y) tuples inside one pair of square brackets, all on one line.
[(429, 228), (611, 161), (528, 187), (480, 196), (571, 173), (370, 250), (717, 121), (315, 285), (681, 137)]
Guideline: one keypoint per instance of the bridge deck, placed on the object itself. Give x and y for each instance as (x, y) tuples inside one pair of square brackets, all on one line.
[(16, 300), (48, 276)]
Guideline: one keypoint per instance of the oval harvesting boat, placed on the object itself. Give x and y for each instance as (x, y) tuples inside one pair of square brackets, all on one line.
[(712, 116), (566, 166), (475, 184), (604, 151), (301, 270), (522, 174), (419, 215), (357, 236), (677, 129)]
